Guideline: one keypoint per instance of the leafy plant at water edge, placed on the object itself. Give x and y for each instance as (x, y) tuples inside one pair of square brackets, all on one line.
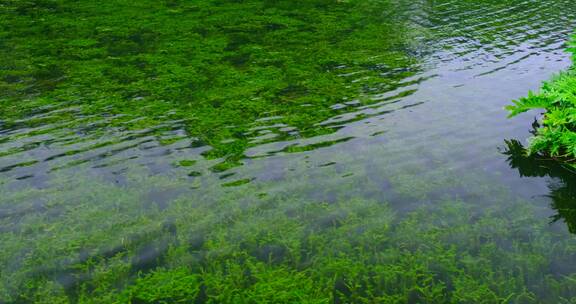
[(556, 136)]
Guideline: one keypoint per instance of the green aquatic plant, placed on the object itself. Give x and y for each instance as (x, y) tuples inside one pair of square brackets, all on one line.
[(229, 70), (556, 135), (104, 243), (224, 69)]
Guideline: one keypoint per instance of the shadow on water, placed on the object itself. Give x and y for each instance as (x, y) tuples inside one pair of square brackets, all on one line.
[(562, 180)]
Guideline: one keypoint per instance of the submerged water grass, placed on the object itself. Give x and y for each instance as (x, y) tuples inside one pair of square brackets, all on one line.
[(113, 244), (224, 68), (233, 75)]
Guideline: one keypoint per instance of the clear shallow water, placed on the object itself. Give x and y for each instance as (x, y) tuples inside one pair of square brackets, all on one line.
[(405, 161)]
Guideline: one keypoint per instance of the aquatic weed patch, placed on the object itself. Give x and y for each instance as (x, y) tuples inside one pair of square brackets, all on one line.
[(120, 245), (220, 66), (341, 226)]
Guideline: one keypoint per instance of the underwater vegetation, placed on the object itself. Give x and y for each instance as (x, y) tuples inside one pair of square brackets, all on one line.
[(99, 245), (385, 219), (223, 68), (556, 135)]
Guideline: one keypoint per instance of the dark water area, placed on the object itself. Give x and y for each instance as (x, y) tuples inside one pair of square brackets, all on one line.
[(280, 152)]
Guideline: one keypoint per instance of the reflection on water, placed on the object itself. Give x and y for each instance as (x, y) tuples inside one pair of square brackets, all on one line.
[(561, 180)]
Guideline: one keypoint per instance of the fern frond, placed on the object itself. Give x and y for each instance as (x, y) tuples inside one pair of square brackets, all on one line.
[(533, 101)]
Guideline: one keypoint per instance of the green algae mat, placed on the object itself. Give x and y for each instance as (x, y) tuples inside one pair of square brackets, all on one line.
[(276, 151)]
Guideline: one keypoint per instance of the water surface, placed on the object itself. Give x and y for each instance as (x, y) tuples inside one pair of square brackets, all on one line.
[(355, 151)]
